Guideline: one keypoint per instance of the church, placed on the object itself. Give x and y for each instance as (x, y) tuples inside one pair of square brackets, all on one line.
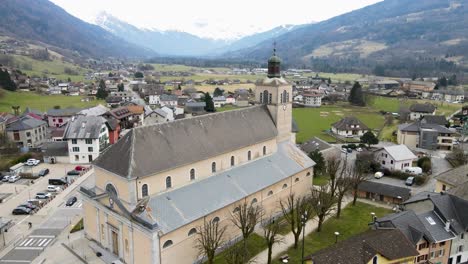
[(152, 189)]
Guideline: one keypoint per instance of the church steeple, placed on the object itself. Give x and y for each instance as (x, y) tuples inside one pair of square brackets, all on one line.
[(274, 65)]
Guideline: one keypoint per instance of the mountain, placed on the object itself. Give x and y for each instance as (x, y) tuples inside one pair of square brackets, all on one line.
[(399, 37), (181, 43), (44, 22)]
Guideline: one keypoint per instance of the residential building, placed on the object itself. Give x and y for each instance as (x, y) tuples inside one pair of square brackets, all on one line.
[(426, 136), (27, 131), (160, 115), (395, 158), (60, 117), (370, 247), (419, 86), (98, 110), (168, 100), (219, 101), (159, 183), (231, 99), (113, 101), (349, 127), (114, 130), (126, 96), (86, 136), (382, 192), (55, 152), (419, 110), (451, 178), (312, 99), (328, 151), (450, 215), (128, 116), (195, 107), (434, 119)]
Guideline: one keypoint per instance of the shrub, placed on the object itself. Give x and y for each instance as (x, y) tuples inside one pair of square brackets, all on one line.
[(425, 164), (22, 158), (420, 179)]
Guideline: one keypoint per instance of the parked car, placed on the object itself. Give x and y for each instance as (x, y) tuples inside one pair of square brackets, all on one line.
[(378, 175), (53, 188), (32, 162), (350, 150), (73, 173), (80, 168), (6, 178), (28, 205), (21, 211), (43, 172), (414, 170), (72, 200), (43, 195), (14, 178), (409, 181), (359, 149), (35, 202)]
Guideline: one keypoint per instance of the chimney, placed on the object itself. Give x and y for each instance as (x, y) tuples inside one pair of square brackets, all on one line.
[(83, 124), (447, 226)]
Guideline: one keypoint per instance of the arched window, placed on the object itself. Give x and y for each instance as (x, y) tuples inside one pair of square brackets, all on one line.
[(213, 167), (111, 189), (296, 180), (192, 174), (270, 193), (308, 173), (168, 243), (283, 97), (237, 209), (144, 190), (264, 150), (215, 220), (168, 182), (374, 260), (261, 98), (285, 186), (265, 97), (232, 161), (249, 155), (270, 96), (254, 201), (192, 231)]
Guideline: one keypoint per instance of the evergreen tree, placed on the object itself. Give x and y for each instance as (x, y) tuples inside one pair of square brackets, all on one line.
[(369, 138), (443, 82), (317, 157), (120, 87), (102, 92), (218, 92), (6, 82), (209, 103), (138, 75), (356, 97)]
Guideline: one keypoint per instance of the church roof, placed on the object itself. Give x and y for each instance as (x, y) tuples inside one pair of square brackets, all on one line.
[(171, 210), (152, 149)]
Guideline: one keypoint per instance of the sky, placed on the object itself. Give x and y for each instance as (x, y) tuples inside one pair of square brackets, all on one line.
[(213, 18)]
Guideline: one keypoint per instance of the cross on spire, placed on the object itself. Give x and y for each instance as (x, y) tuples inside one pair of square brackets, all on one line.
[(274, 48)]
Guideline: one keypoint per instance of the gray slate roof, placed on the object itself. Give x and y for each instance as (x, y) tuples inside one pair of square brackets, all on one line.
[(347, 122), (400, 152), (460, 191), (98, 110), (455, 176), (422, 108), (84, 127), (418, 126), (168, 97), (315, 143), (360, 249), (63, 112), (181, 206), (186, 141), (385, 189), (435, 119), (25, 123)]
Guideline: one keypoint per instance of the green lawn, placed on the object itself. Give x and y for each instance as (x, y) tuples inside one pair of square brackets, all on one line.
[(255, 245), (394, 104), (354, 220), (41, 102), (54, 68), (313, 121), (320, 180), (226, 108)]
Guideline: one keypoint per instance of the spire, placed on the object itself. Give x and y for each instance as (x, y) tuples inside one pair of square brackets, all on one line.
[(274, 64)]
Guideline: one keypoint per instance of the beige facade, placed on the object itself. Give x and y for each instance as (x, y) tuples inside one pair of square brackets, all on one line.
[(119, 222), (410, 139)]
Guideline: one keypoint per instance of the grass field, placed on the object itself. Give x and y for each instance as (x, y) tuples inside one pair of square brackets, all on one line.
[(255, 244), (313, 121), (41, 102), (54, 68), (354, 220)]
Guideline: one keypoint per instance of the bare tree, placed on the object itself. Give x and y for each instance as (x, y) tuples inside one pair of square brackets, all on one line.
[(236, 254), (271, 236), (357, 177), (246, 217), (322, 202), (210, 237), (295, 209), (332, 167), (343, 185)]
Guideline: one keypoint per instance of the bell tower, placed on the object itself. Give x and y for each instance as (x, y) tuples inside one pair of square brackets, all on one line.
[(276, 93)]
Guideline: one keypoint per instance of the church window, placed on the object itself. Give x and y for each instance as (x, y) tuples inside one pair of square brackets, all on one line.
[(285, 186), (168, 182), (374, 260), (254, 201), (192, 231), (192, 174), (261, 97), (308, 173), (111, 189), (215, 220), (270, 96), (213, 167), (232, 161), (168, 243), (237, 209), (144, 190), (284, 97), (264, 150), (270, 193), (249, 155), (296, 180), (265, 97)]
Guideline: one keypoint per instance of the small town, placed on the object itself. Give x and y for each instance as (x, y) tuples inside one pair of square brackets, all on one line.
[(336, 140)]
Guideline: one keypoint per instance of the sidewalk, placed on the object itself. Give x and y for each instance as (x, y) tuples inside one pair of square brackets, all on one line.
[(288, 240)]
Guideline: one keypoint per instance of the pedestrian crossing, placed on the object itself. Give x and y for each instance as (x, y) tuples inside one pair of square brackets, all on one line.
[(34, 242)]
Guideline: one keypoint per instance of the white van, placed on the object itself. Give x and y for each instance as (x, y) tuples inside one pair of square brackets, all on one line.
[(378, 175), (414, 170)]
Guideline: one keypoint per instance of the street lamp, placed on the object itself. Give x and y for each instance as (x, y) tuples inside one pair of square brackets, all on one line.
[(336, 237), (303, 221), (373, 216)]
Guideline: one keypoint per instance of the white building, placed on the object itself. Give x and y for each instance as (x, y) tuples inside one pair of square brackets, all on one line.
[(312, 99), (349, 126), (126, 96), (219, 101), (153, 99), (168, 100), (395, 158), (87, 136), (419, 110)]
